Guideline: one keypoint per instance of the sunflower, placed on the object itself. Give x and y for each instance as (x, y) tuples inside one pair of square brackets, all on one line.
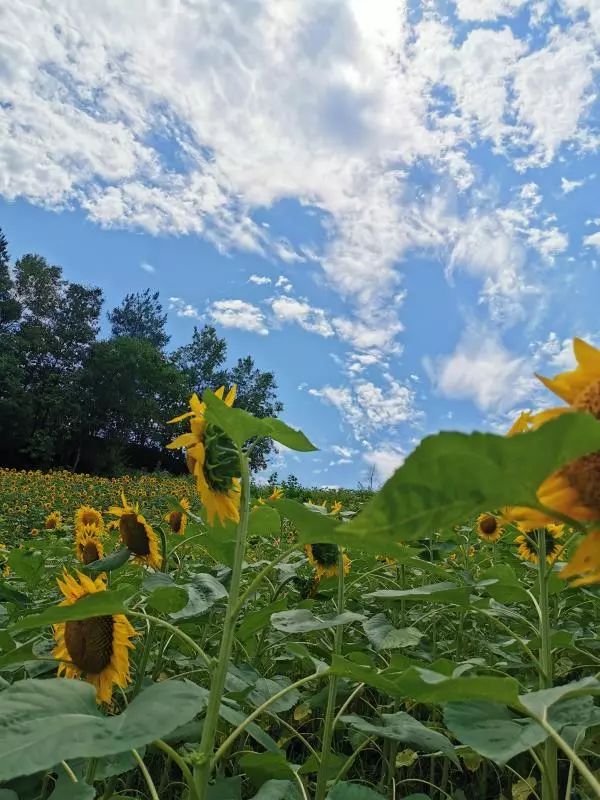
[(88, 547), (336, 508), (53, 521), (528, 542), (324, 558), (95, 648), (86, 515), (573, 490), (213, 459), (585, 562), (489, 528), (276, 494), (137, 534), (178, 519)]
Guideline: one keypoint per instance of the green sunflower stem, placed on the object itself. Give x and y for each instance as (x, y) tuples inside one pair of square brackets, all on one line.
[(203, 756), (329, 723), (550, 774)]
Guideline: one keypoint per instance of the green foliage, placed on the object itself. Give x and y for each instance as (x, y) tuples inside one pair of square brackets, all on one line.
[(140, 317)]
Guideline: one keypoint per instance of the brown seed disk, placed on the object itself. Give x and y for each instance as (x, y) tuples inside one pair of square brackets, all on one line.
[(589, 399), (584, 475), (134, 535), (175, 521), (89, 553), (488, 524), (90, 643)]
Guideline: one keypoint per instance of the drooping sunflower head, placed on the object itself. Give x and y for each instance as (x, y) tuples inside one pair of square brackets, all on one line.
[(489, 528), (177, 519), (213, 459), (86, 515), (136, 534), (53, 521), (529, 542), (88, 547), (324, 559), (95, 648)]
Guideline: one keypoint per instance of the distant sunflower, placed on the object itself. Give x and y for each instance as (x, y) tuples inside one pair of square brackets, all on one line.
[(137, 534), (88, 547), (213, 459), (95, 648), (86, 515), (53, 521), (324, 559), (177, 519), (488, 528), (276, 494), (336, 508), (528, 543)]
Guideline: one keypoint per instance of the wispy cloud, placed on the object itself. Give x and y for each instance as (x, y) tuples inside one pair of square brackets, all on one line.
[(239, 314), (147, 267), (183, 309)]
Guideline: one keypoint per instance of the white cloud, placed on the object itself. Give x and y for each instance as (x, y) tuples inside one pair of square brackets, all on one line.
[(343, 452), (593, 240), (483, 371), (568, 186), (239, 314), (183, 309), (487, 10), (385, 460), (147, 267), (367, 407), (288, 309), (283, 283), (259, 280)]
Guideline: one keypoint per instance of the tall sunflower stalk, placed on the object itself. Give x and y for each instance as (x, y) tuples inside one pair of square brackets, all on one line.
[(329, 722)]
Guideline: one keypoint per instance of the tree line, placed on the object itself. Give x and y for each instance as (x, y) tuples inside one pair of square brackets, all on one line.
[(71, 399)]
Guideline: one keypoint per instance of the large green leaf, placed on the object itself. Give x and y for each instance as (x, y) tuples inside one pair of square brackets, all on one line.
[(383, 636), (277, 790), (111, 562), (353, 791), (313, 527), (163, 593), (453, 476), (540, 704), (18, 655), (255, 621), (302, 620), (48, 721), (241, 426), (12, 595), (445, 592), (401, 727), (491, 729), (264, 521), (235, 717), (506, 587), (92, 605), (27, 564), (261, 767), (427, 686), (203, 592), (65, 789)]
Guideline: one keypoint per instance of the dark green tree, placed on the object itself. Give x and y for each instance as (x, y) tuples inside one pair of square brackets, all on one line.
[(202, 360), (132, 390), (10, 310), (140, 316)]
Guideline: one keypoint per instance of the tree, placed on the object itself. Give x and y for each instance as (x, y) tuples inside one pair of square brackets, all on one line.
[(257, 393), (132, 390), (140, 316), (10, 310), (202, 360), (57, 324)]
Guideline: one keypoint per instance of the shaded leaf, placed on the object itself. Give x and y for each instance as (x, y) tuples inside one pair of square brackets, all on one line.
[(262, 767), (264, 521), (277, 790), (203, 592), (445, 592), (353, 791), (48, 721), (302, 620), (27, 564), (111, 601), (111, 562), (383, 636)]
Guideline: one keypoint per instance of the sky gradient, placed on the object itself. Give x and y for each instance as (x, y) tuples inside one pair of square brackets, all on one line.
[(395, 206)]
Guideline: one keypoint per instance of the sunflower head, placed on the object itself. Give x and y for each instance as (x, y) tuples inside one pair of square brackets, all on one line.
[(88, 547), (336, 508), (529, 543), (95, 648), (489, 528), (324, 559), (585, 562), (276, 494), (86, 515), (53, 521), (213, 459), (136, 534), (177, 519)]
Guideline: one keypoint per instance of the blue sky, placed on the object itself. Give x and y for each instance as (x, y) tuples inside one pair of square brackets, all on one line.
[(393, 206)]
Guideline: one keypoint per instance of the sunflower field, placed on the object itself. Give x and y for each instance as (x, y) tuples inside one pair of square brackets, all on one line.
[(190, 638)]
